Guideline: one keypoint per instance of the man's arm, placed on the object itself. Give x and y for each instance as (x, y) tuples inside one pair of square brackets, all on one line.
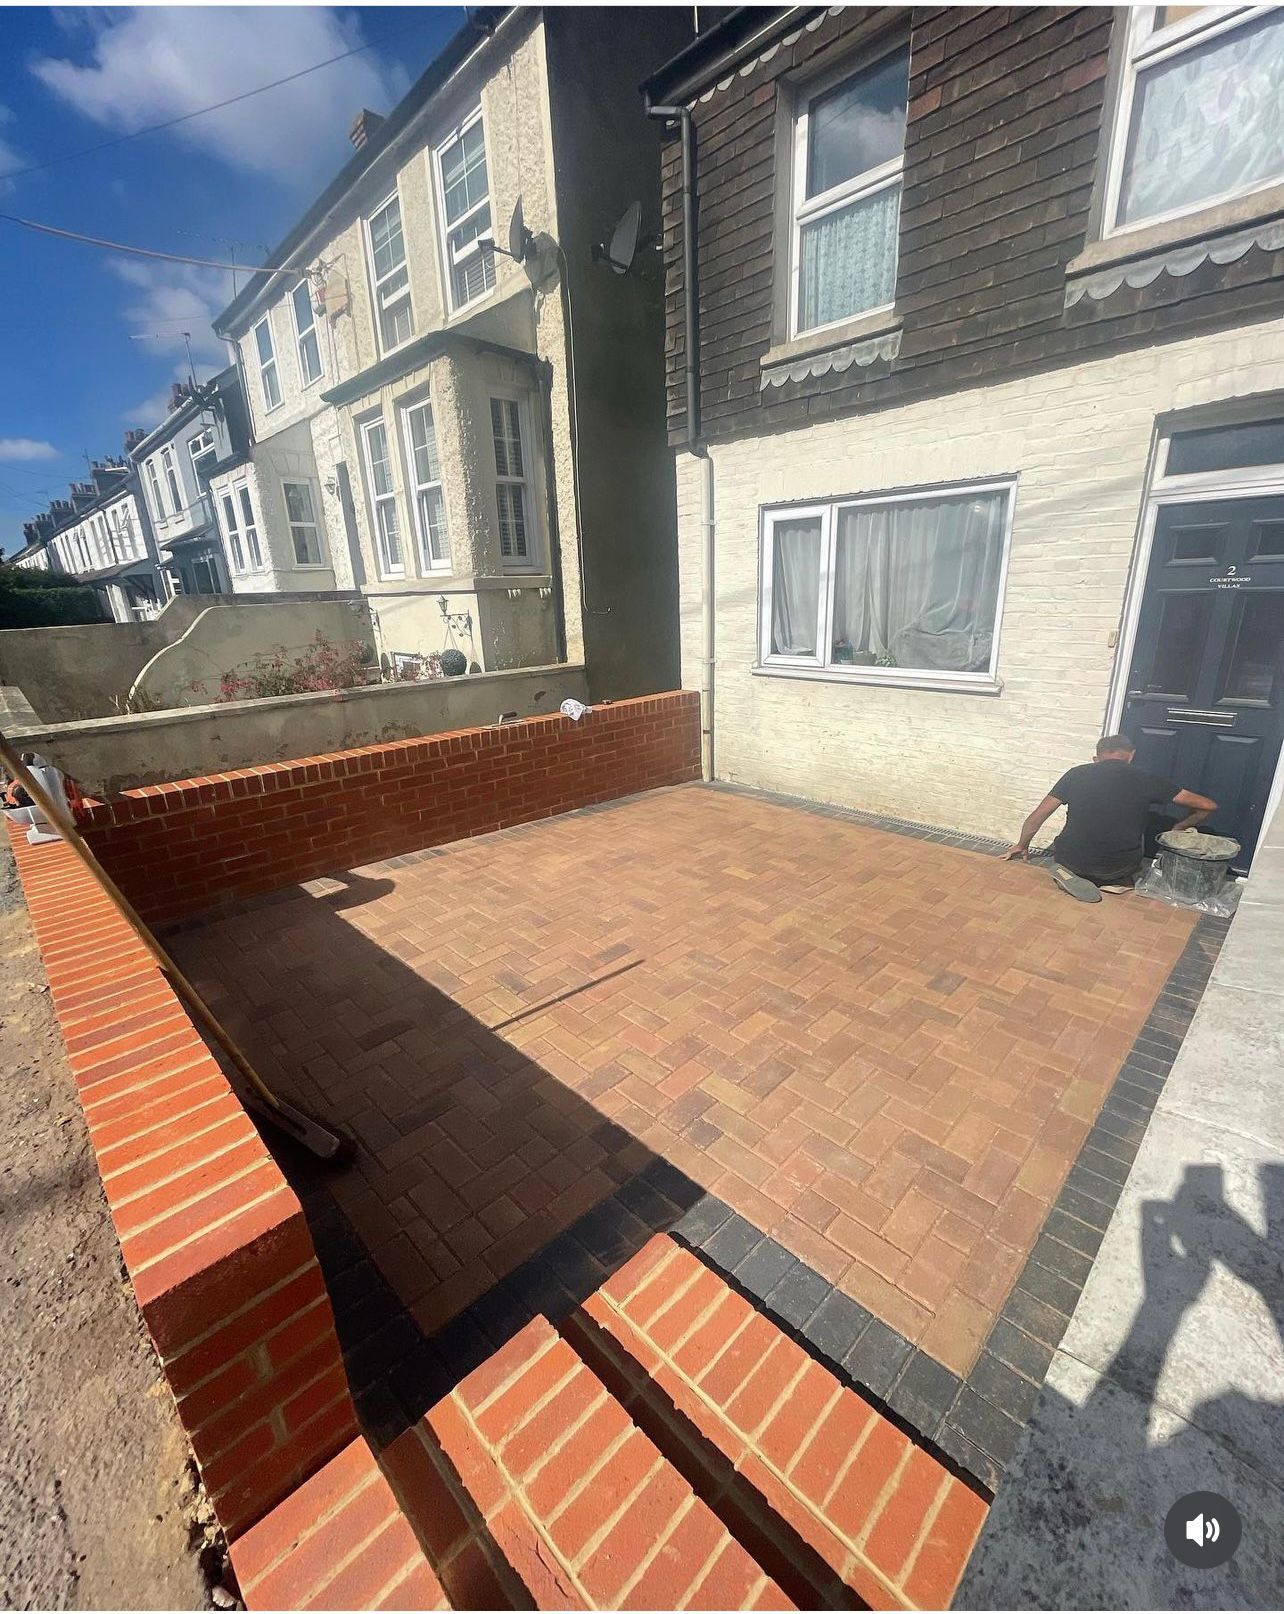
[(1201, 807), (1037, 819)]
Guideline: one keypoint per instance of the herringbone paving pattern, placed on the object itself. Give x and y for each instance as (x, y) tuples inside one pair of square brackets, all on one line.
[(884, 1052)]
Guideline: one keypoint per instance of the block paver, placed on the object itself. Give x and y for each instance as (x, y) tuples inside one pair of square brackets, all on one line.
[(884, 1052)]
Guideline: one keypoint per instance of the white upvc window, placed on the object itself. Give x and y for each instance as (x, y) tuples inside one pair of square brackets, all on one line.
[(849, 159), (900, 587), (202, 451), (305, 534), (383, 500), (232, 533), (390, 278), (463, 193), (426, 495), (171, 479), (517, 547), (153, 490), (250, 528), (1198, 115), (311, 367), (269, 382)]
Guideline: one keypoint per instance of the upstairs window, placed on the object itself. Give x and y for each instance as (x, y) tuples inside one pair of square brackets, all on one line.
[(905, 587), (465, 206), (171, 479), (203, 453), (849, 157), (268, 380), (511, 490), (383, 500), (393, 314), (1199, 117), (305, 321), (304, 533), (153, 490), (425, 480), (232, 532)]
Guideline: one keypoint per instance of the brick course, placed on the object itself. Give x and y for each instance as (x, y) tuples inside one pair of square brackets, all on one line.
[(177, 849), (213, 1238)]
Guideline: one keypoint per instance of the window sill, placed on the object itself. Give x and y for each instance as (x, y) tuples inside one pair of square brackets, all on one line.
[(1191, 231), (856, 341), (890, 678)]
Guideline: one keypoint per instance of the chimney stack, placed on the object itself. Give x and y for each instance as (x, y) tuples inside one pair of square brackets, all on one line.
[(133, 437), (179, 393), (365, 126)]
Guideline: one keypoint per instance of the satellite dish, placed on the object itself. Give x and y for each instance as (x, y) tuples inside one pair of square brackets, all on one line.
[(623, 245), (521, 242)]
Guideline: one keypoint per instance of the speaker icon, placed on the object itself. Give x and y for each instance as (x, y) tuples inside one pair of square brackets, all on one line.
[(1202, 1531)]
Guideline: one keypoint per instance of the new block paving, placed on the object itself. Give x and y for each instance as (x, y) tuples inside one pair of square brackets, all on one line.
[(884, 1053)]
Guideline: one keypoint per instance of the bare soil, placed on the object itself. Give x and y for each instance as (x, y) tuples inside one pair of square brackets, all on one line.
[(99, 1504)]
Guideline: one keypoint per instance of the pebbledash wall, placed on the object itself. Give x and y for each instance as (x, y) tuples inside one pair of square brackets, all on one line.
[(213, 1238), (1079, 439)]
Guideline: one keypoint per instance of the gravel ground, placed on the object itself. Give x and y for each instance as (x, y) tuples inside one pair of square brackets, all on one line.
[(99, 1504)]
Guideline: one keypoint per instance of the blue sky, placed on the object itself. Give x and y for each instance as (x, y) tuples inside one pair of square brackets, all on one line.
[(71, 378)]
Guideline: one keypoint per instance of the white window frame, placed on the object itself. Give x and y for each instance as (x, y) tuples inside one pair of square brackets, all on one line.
[(172, 480), (439, 190), (829, 510), (532, 561), (804, 209), (375, 500), (322, 560), (376, 282), (255, 555), (1146, 47), (231, 532), (154, 489), (265, 324), (313, 330), (210, 449), (427, 561)]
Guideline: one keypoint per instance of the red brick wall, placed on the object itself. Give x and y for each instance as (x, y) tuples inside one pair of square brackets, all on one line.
[(177, 849), (213, 1238)]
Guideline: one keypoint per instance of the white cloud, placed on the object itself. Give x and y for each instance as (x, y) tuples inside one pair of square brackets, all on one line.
[(170, 298), (154, 63), (26, 448)]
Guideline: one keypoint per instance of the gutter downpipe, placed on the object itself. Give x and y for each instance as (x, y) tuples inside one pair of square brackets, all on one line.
[(695, 445)]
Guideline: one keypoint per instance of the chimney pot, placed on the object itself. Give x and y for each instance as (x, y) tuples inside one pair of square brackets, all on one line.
[(365, 126)]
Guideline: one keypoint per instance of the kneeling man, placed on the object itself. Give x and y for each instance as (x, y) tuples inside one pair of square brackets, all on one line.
[(1108, 804)]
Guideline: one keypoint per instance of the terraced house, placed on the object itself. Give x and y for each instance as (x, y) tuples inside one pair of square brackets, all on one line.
[(472, 438), (976, 393)]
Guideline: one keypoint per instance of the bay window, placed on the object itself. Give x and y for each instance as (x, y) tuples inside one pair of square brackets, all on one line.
[(849, 157), (300, 513), (511, 490), (464, 194), (232, 532), (305, 332), (1198, 118), (251, 529), (900, 587), (393, 314), (426, 495), (383, 500)]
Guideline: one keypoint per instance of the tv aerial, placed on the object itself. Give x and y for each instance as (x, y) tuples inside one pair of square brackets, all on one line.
[(521, 242), (619, 252)]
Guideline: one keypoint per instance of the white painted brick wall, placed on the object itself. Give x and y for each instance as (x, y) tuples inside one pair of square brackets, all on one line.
[(1080, 439)]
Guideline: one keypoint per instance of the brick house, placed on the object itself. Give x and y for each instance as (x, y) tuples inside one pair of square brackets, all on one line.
[(980, 451), (475, 442)]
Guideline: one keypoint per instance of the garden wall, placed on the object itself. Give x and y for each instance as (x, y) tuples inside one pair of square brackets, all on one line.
[(112, 754), (179, 849)]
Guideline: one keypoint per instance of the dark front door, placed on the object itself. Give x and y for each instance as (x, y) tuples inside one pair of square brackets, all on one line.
[(1206, 690)]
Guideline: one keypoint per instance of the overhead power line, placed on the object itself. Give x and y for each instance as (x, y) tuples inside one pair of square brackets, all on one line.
[(121, 246), (186, 117)]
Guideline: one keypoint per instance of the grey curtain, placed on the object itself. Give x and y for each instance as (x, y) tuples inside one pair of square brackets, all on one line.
[(916, 584)]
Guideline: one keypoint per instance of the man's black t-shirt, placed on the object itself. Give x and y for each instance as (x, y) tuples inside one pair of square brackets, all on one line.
[(1107, 804)]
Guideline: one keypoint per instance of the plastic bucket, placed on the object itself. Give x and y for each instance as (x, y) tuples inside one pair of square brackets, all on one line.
[(1192, 879)]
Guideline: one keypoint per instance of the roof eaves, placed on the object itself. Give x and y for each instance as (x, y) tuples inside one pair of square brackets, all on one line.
[(720, 50), (483, 23)]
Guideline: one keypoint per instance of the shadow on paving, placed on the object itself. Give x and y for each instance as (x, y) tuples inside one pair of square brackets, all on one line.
[(1080, 1521), (502, 1194)]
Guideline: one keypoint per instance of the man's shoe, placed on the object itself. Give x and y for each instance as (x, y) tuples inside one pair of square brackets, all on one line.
[(1074, 885)]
